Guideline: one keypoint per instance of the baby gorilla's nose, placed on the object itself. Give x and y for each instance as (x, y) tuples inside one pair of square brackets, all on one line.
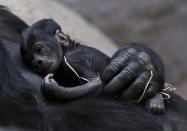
[(39, 62)]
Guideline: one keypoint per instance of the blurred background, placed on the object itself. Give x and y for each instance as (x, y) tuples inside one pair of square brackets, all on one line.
[(161, 25), (107, 24)]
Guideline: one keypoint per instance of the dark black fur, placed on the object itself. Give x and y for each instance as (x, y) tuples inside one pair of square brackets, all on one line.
[(22, 107), (46, 49)]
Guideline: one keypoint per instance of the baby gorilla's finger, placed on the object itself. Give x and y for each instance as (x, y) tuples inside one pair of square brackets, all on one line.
[(51, 75), (118, 63), (53, 82), (46, 80), (138, 87), (127, 75), (48, 76)]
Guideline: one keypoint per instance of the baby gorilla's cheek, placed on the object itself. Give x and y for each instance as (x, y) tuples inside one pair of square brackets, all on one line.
[(53, 68)]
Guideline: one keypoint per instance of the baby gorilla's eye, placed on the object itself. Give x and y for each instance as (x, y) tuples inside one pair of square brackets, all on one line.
[(40, 49)]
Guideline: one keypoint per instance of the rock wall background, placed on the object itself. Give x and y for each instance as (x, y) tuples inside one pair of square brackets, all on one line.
[(161, 25), (73, 24)]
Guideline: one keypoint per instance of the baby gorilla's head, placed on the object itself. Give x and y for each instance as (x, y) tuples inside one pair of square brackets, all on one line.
[(41, 46)]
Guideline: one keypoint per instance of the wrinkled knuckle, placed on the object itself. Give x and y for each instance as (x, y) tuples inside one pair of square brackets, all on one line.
[(127, 54), (107, 70), (150, 67), (144, 75), (131, 51), (135, 67), (114, 66), (127, 74), (144, 57)]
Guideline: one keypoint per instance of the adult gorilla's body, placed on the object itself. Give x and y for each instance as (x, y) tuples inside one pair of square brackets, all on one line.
[(22, 105)]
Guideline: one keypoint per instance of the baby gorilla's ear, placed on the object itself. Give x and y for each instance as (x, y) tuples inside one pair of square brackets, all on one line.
[(62, 38)]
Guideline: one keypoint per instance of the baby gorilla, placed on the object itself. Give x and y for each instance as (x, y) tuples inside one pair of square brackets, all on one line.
[(73, 70)]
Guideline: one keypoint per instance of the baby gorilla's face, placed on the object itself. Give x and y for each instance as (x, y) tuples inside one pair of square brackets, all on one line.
[(44, 59), (41, 48)]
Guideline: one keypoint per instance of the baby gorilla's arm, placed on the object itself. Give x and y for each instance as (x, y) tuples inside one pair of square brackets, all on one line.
[(51, 88)]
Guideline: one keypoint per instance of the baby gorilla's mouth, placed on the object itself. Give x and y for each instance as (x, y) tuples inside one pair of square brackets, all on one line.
[(48, 67)]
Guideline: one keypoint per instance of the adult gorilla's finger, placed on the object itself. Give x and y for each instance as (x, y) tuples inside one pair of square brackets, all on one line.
[(138, 86), (152, 89), (144, 58), (127, 75), (156, 84), (118, 63)]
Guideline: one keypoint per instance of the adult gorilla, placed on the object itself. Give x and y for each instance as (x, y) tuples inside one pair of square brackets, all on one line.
[(22, 104)]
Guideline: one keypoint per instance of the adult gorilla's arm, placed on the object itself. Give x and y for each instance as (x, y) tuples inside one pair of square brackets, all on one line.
[(132, 65), (10, 22)]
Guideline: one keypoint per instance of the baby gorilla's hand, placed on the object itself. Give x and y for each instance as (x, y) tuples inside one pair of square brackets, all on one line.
[(49, 81)]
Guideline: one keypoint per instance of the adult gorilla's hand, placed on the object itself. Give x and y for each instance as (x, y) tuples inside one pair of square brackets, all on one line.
[(134, 72)]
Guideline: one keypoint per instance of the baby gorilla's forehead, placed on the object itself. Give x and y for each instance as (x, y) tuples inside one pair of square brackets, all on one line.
[(41, 28), (42, 34), (44, 31), (46, 24)]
